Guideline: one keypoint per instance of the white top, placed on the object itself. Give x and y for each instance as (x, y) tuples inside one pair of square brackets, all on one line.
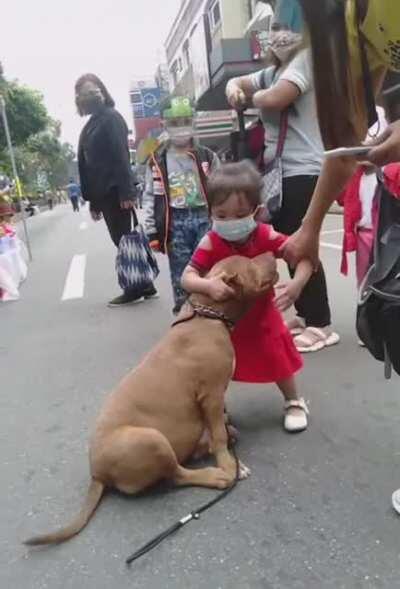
[(368, 186), (303, 149)]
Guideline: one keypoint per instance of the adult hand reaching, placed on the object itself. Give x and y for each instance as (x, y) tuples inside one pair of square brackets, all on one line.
[(386, 148), (302, 245)]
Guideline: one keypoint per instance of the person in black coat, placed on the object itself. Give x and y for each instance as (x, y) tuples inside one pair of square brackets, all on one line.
[(104, 167)]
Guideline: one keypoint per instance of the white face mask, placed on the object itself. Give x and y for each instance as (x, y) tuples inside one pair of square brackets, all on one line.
[(180, 136), (236, 229)]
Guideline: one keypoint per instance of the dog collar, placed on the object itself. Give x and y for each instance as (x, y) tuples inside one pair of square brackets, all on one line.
[(207, 313)]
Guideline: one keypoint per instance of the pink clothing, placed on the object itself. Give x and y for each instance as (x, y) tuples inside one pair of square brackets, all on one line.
[(365, 244)]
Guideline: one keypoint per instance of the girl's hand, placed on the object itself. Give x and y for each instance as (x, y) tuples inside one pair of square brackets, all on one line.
[(218, 290), (304, 244), (287, 295)]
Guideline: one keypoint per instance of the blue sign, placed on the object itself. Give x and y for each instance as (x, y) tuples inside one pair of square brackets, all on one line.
[(146, 103)]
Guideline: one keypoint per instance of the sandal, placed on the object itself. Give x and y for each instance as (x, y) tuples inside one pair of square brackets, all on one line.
[(314, 339), (396, 501), (296, 326), (296, 422)]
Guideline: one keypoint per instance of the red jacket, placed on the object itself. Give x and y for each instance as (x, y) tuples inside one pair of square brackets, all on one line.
[(351, 201)]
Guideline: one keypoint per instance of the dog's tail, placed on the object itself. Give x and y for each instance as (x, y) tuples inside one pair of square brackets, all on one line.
[(94, 495)]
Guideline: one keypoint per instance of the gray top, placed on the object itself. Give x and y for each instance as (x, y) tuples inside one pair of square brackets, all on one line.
[(303, 149), (184, 185), (183, 180)]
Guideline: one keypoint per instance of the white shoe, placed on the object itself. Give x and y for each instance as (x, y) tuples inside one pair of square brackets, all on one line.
[(396, 501), (296, 421)]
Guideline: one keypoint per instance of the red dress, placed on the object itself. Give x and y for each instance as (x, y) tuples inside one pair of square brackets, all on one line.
[(264, 348)]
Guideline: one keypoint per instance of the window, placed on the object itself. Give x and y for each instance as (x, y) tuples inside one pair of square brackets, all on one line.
[(215, 15)]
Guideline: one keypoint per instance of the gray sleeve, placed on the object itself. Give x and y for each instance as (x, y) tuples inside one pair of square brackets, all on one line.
[(262, 79), (299, 71), (148, 204)]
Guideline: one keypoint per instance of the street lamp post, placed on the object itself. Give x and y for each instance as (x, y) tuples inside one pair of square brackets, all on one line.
[(15, 171)]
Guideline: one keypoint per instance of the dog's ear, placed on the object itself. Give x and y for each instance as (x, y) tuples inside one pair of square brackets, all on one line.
[(234, 280)]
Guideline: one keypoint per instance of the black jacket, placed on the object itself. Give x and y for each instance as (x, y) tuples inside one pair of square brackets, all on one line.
[(103, 158)]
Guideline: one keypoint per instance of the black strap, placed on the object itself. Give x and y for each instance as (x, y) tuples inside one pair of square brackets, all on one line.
[(368, 87), (284, 119), (194, 515)]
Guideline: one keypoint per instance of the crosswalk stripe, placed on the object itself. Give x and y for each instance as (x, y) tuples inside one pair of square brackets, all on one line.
[(332, 231), (331, 246), (74, 287)]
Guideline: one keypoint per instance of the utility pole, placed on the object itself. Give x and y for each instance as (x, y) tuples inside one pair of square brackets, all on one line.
[(3, 113)]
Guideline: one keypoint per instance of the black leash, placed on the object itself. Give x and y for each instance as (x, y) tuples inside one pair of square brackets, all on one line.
[(194, 515)]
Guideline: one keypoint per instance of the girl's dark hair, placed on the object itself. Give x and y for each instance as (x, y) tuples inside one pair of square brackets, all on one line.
[(230, 178), (342, 121), (108, 100)]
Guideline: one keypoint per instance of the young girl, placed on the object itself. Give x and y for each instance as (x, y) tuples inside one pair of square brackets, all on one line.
[(264, 348)]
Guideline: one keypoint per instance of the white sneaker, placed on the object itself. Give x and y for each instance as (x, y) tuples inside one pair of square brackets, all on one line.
[(296, 421), (396, 500)]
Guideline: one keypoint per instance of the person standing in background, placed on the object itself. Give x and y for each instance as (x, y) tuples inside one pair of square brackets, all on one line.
[(175, 198), (74, 193), (105, 169), (285, 89)]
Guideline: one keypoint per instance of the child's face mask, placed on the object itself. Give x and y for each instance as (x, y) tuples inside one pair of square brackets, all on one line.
[(235, 229), (180, 131)]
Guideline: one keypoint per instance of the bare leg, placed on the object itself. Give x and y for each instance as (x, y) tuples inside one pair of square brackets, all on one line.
[(288, 389)]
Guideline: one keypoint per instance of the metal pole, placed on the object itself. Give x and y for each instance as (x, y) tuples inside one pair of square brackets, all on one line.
[(15, 172)]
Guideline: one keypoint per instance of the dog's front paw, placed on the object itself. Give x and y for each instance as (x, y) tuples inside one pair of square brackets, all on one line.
[(244, 471)]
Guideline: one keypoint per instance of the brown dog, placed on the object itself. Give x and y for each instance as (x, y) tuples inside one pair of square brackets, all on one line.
[(153, 421)]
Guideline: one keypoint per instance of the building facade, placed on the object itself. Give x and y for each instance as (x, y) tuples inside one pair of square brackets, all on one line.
[(210, 42), (146, 97)]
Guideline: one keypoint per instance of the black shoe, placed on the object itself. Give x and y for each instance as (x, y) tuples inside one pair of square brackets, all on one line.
[(150, 293), (126, 299)]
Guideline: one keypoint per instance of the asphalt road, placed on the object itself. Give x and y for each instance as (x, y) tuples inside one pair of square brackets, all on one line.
[(316, 511)]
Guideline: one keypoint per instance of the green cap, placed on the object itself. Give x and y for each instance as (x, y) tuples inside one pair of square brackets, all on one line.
[(180, 107)]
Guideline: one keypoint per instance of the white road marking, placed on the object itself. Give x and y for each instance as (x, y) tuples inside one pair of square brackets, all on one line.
[(331, 246), (332, 232), (83, 226), (75, 282)]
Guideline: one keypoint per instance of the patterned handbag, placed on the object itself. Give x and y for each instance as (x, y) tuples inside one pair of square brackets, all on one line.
[(136, 264), (272, 178)]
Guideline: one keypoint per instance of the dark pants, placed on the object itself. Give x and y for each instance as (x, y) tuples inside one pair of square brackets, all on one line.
[(313, 304), (119, 221), (75, 204)]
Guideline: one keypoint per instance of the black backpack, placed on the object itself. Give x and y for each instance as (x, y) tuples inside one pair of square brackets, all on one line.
[(378, 315)]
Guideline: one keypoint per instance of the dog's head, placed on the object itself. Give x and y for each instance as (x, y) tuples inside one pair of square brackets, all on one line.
[(248, 280)]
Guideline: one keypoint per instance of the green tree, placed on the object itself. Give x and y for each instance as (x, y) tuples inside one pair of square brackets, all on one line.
[(26, 112)]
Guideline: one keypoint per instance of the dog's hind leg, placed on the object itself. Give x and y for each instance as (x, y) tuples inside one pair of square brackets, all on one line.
[(133, 459)]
